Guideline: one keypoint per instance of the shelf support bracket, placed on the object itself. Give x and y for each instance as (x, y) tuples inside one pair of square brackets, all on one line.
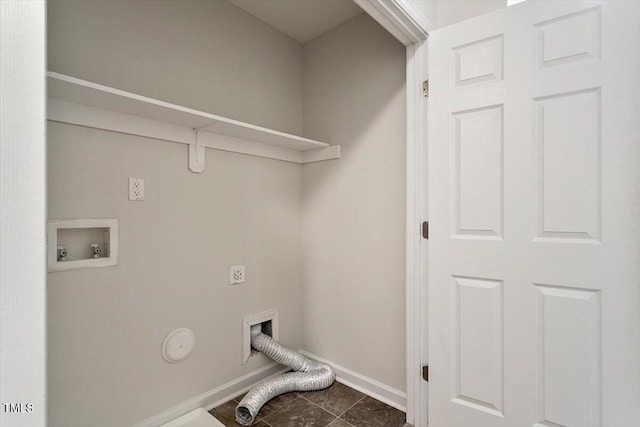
[(196, 153)]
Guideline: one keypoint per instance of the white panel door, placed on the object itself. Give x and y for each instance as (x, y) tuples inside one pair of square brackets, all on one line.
[(534, 128)]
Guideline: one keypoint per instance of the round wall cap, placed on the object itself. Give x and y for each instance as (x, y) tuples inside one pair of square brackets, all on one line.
[(178, 345)]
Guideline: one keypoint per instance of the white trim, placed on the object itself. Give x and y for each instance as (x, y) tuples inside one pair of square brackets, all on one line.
[(23, 193), (255, 319), (215, 397), (423, 23), (84, 92), (97, 118), (219, 395), (400, 17), (382, 392), (416, 246), (412, 239), (251, 148), (422, 259), (83, 103), (320, 154), (198, 417)]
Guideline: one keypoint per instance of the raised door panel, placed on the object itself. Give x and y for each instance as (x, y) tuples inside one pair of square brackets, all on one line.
[(567, 138), (571, 38), (478, 173), (478, 344), (568, 348), (479, 62)]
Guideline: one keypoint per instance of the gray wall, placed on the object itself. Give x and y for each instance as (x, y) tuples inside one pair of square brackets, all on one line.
[(354, 209), (205, 54), (105, 326)]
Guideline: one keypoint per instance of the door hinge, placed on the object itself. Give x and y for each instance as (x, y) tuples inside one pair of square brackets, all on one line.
[(425, 372), (425, 229), (425, 88)]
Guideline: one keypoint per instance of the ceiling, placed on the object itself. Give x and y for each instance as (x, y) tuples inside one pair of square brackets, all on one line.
[(302, 20)]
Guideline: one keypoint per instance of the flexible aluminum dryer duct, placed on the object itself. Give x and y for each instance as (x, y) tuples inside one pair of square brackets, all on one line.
[(309, 376)]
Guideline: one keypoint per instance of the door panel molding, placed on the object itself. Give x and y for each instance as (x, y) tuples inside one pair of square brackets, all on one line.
[(533, 206)]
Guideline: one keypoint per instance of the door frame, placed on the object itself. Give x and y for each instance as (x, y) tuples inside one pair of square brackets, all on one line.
[(416, 245), (411, 27)]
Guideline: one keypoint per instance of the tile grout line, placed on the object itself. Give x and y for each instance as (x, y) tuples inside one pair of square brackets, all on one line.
[(322, 409), (350, 407), (337, 417), (277, 410), (345, 421), (302, 395), (325, 409)]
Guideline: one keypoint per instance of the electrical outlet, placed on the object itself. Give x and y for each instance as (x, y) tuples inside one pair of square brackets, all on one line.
[(136, 188), (236, 274)]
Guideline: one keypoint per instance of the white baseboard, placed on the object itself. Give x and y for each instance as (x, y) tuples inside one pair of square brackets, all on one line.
[(215, 397), (377, 390), (219, 395)]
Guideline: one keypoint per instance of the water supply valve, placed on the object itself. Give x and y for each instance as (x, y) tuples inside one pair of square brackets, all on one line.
[(62, 253), (95, 249)]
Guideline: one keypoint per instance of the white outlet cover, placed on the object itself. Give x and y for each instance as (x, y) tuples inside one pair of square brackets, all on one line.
[(136, 189), (236, 274)]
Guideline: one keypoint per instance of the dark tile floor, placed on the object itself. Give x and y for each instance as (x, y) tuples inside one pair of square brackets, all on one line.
[(336, 406)]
